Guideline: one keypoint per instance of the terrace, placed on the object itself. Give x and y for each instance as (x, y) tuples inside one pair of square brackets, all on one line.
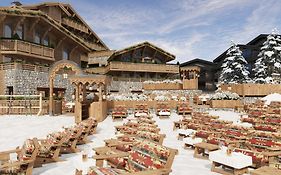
[(25, 48)]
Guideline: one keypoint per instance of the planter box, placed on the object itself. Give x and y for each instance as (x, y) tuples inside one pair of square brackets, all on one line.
[(252, 89), (162, 86), (225, 103)]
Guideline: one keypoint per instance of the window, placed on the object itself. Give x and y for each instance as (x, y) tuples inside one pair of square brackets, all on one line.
[(46, 41), (19, 31), (7, 31), (37, 38), (65, 54)]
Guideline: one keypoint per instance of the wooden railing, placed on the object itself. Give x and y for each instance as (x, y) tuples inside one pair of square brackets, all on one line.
[(97, 70), (75, 25), (29, 104), (143, 67), (20, 66), (10, 46)]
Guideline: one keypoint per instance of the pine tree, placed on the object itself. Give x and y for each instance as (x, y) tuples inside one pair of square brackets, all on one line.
[(268, 63), (234, 67)]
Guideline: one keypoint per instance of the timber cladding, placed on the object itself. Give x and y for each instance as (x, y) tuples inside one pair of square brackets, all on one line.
[(252, 89)]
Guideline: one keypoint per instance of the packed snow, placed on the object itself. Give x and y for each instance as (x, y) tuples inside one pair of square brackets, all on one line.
[(272, 97), (15, 129)]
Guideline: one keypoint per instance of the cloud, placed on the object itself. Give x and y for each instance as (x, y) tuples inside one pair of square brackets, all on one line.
[(191, 10)]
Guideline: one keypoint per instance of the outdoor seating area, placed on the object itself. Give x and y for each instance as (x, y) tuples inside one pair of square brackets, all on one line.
[(137, 149), (36, 152), (211, 137)]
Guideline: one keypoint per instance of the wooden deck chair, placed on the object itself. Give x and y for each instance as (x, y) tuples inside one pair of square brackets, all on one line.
[(119, 112), (49, 148), (86, 131), (25, 159), (70, 146), (163, 110), (183, 108), (93, 123), (144, 158)]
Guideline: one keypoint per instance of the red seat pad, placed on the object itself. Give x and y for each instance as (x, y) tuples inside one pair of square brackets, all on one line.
[(265, 128), (234, 133), (202, 134), (262, 142)]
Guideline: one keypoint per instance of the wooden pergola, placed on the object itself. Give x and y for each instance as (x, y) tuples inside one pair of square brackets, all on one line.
[(81, 83), (52, 74)]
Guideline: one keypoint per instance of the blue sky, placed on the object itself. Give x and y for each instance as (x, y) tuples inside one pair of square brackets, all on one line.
[(187, 28)]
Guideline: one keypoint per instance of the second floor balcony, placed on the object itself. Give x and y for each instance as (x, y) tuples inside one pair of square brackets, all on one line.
[(143, 67), (25, 48)]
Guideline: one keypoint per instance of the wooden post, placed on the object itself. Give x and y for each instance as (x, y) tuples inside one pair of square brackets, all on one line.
[(100, 92), (40, 105), (51, 99), (77, 105)]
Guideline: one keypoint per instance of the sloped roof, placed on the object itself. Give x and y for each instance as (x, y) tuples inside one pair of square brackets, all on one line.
[(169, 56), (196, 60), (65, 7)]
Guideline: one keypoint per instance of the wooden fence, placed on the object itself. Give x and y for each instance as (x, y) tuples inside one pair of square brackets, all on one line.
[(252, 89)]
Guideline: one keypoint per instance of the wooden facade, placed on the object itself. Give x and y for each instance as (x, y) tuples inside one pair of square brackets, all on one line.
[(143, 61), (198, 74), (45, 33)]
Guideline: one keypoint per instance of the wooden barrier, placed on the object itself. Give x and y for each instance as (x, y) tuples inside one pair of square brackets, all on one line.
[(132, 104), (225, 103), (162, 86), (252, 89)]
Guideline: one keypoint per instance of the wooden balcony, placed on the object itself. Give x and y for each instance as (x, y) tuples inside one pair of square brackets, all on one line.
[(21, 66), (143, 67), (75, 25), (97, 70), (12, 47)]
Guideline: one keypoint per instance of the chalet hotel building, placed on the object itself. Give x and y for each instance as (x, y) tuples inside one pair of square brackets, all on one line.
[(33, 37)]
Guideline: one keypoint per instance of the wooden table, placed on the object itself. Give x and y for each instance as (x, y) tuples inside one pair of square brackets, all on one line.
[(233, 164), (201, 149), (266, 171)]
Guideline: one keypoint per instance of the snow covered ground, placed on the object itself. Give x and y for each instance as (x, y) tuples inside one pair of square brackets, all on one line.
[(15, 129)]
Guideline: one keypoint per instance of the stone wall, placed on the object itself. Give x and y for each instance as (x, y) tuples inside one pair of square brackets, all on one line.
[(125, 86), (25, 82)]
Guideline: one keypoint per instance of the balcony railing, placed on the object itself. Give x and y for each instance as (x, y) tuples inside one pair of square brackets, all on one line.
[(75, 25), (10, 46), (20, 66), (97, 70), (143, 67)]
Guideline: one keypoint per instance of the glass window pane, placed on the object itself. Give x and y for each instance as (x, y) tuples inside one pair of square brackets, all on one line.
[(7, 31), (37, 38)]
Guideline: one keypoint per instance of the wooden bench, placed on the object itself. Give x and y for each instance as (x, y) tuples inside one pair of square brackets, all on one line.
[(144, 158), (25, 159)]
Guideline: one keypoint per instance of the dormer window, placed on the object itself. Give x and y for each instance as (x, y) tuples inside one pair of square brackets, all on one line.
[(147, 60)]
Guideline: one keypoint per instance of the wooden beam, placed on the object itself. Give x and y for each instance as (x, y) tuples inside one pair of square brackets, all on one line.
[(2, 18), (143, 51), (46, 32), (72, 50), (34, 24), (65, 10), (18, 23), (154, 54), (60, 42)]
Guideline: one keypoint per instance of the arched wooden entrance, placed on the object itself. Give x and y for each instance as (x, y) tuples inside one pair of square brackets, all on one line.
[(52, 73)]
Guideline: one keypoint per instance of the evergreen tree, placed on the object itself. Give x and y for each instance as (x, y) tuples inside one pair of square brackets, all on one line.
[(234, 67), (268, 63)]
